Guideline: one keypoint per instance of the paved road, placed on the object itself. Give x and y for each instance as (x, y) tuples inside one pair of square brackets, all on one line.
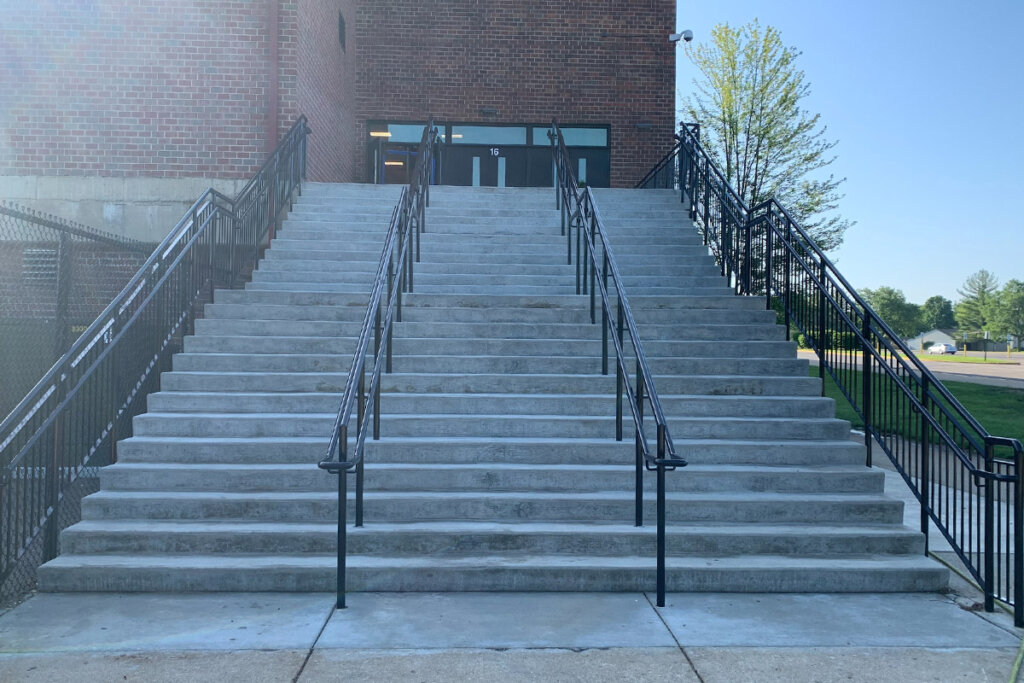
[(1000, 375)]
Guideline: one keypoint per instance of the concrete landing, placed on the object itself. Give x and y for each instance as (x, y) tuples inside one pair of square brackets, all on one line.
[(504, 636)]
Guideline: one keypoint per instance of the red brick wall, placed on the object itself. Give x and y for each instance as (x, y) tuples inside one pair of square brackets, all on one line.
[(529, 59), (141, 88), (323, 75), (190, 87)]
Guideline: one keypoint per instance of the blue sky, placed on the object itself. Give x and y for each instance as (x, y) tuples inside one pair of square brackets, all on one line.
[(926, 99)]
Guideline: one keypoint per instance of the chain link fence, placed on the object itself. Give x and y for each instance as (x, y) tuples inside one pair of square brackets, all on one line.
[(55, 278)]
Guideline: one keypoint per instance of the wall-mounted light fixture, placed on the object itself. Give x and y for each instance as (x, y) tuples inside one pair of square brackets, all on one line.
[(379, 134), (394, 163), (488, 111), (644, 126)]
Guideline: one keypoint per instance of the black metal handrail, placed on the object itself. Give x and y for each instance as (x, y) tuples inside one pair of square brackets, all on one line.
[(593, 253), (967, 481), (73, 418), (395, 275)]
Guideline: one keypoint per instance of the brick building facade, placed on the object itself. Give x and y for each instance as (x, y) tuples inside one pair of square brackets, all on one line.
[(114, 111)]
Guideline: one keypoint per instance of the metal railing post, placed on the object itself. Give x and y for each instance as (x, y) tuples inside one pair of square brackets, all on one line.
[(62, 324), (867, 377), (821, 327), (342, 518), (924, 467), (1018, 540), (593, 272), (769, 263), (619, 379), (577, 222), (376, 357), (661, 516), (604, 320), (989, 584), (567, 231), (361, 412), (639, 446)]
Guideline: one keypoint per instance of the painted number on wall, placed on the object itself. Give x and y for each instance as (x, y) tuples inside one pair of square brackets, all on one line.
[(495, 151)]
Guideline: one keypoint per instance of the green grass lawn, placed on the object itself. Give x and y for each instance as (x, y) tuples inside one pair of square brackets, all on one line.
[(993, 359), (998, 409)]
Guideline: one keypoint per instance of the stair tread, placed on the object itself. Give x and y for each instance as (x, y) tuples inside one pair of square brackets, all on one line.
[(594, 528), (327, 561), (681, 497)]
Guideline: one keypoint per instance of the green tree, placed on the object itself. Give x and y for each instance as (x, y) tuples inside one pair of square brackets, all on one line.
[(1007, 311), (892, 306), (747, 101), (972, 312), (937, 314)]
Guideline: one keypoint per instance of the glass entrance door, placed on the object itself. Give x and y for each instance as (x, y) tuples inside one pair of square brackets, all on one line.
[(489, 155)]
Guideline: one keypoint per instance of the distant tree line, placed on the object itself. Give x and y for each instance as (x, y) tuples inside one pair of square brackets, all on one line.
[(983, 307)]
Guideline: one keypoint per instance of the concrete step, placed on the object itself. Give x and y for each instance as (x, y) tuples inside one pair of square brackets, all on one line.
[(490, 573), (602, 451), (463, 382), (456, 358), (351, 306), (313, 272), (657, 340), (393, 506), (452, 344), (486, 403), (481, 425), (383, 477), (576, 336), (452, 539)]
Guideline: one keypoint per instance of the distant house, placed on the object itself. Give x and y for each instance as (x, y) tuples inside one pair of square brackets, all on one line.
[(922, 341)]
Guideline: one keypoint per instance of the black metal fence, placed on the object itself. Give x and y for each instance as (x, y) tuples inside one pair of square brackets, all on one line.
[(967, 481), (394, 276), (597, 272), (71, 420)]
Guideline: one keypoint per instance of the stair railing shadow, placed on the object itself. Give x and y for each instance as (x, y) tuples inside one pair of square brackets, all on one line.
[(74, 416), (967, 481), (580, 215), (362, 388)]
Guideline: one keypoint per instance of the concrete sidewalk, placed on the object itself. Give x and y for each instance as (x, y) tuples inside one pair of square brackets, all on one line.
[(504, 637)]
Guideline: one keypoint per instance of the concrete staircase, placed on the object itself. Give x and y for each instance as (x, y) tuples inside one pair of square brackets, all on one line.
[(498, 469)]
